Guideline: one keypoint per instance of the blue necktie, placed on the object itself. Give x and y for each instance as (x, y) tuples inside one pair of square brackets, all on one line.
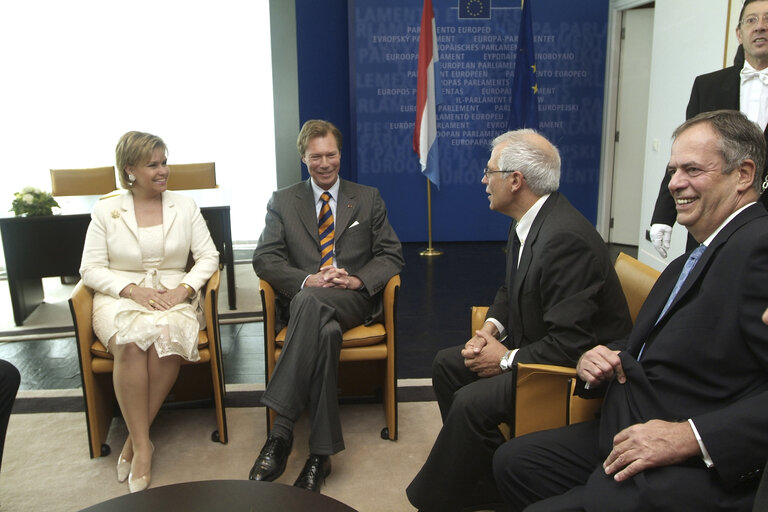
[(689, 264)]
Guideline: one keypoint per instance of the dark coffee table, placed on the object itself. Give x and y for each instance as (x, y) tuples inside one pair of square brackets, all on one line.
[(229, 495)]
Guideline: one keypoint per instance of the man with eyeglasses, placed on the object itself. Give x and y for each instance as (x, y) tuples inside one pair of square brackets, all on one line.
[(328, 250), (560, 297), (743, 86)]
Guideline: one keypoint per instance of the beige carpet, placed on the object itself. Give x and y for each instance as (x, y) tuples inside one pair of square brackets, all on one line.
[(46, 465), (53, 314)]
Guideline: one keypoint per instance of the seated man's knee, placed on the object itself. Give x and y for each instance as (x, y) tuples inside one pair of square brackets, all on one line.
[(304, 296), (510, 464), (442, 360), (473, 405)]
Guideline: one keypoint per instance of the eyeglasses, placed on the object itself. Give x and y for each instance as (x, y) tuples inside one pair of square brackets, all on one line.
[(752, 20), (487, 171)]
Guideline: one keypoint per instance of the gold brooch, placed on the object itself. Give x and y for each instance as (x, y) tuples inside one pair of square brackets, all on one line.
[(115, 214)]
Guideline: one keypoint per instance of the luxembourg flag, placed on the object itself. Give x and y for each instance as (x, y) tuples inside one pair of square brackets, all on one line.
[(428, 96)]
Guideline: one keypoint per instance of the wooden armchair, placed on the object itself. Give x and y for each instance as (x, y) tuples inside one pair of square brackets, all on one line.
[(202, 379), (636, 279), (83, 182), (192, 176), (367, 360), (544, 394)]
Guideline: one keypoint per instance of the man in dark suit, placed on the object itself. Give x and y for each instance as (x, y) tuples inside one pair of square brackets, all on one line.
[(743, 86), (563, 298), (328, 250), (683, 424)]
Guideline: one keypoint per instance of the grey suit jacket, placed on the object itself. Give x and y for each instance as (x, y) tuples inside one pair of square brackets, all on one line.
[(566, 297), (365, 244)]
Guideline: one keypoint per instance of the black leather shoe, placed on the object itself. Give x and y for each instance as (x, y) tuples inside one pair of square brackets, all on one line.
[(270, 463), (313, 475)]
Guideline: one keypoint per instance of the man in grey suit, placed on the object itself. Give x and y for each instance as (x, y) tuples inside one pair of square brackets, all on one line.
[(328, 250), (560, 300)]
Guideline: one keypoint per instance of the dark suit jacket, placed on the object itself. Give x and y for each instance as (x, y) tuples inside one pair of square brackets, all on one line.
[(714, 91), (707, 358), (289, 247), (566, 297)]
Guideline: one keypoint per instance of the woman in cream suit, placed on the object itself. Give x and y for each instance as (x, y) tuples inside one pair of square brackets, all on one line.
[(135, 254)]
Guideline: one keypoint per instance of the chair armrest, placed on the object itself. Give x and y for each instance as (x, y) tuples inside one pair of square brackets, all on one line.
[(478, 318), (268, 307), (81, 307), (209, 306), (542, 397), (390, 304)]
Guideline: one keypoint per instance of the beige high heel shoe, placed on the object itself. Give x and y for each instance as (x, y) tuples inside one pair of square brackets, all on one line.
[(138, 484), (141, 483), (123, 468)]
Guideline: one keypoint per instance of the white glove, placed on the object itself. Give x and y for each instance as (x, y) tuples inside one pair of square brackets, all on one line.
[(661, 234)]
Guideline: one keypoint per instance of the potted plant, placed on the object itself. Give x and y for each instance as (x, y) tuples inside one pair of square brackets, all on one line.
[(31, 202)]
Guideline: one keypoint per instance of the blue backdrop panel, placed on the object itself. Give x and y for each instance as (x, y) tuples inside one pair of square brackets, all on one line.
[(477, 64)]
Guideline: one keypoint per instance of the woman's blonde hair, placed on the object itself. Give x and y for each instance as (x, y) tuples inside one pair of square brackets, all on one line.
[(135, 149)]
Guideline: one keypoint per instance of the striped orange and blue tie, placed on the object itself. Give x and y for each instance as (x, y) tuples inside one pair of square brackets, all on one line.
[(325, 228)]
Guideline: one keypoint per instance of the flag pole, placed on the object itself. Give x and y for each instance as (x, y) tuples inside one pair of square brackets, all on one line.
[(430, 251)]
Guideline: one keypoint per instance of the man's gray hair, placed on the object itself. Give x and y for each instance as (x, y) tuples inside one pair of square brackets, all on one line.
[(538, 163), (740, 140)]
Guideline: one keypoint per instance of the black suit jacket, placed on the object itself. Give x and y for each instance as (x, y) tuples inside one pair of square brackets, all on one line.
[(566, 297), (707, 358), (714, 91)]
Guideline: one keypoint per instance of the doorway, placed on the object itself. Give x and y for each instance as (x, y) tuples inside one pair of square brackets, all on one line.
[(629, 141)]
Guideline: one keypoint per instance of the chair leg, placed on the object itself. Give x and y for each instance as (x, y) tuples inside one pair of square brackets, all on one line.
[(99, 403), (390, 403), (221, 435)]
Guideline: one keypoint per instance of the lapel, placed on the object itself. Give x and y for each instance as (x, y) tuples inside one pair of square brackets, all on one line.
[(526, 254), (304, 202), (526, 258), (729, 95), (169, 213), (128, 215), (346, 207), (699, 271)]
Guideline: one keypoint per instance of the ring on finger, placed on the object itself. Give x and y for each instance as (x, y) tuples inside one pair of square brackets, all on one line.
[(152, 301)]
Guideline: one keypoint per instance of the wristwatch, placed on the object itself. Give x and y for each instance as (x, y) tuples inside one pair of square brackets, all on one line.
[(505, 362)]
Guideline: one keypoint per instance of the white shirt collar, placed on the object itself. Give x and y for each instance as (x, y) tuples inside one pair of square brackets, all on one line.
[(523, 226), (334, 190), (725, 223)]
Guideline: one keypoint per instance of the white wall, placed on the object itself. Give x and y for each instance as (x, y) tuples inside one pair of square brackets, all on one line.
[(688, 40), (78, 74)]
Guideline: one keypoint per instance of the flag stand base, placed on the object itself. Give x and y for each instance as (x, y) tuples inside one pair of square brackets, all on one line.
[(430, 251)]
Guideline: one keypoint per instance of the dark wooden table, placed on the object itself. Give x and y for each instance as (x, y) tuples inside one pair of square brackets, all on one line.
[(51, 246), (229, 495)]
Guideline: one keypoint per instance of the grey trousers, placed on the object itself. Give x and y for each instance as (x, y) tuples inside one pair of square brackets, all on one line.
[(305, 376)]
